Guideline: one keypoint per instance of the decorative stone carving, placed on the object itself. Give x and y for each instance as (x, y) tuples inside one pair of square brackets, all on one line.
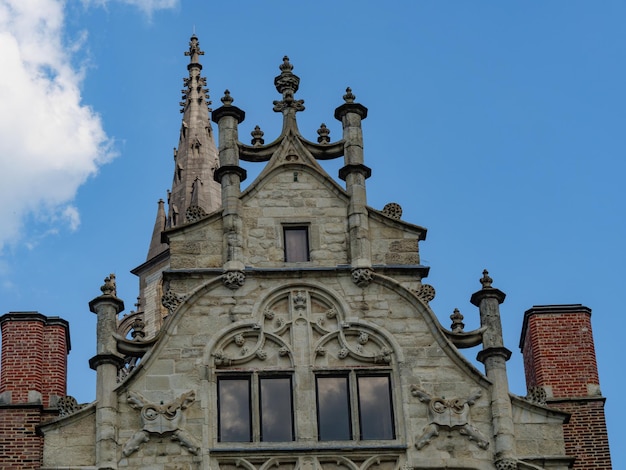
[(448, 414), (130, 362), (384, 356), (68, 405), (362, 276), (161, 419), (304, 315), (506, 464), (324, 134), (171, 300), (355, 461), (363, 338), (537, 395), (393, 210), (194, 213), (257, 136), (299, 301), (233, 279), (426, 292), (221, 360), (109, 287), (287, 84), (457, 321)]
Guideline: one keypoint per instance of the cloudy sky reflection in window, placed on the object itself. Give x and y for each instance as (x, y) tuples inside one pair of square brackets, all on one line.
[(234, 410), (375, 413), (333, 409), (276, 409)]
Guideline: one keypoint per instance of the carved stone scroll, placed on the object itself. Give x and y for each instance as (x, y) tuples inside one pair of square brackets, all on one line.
[(162, 419), (448, 414)]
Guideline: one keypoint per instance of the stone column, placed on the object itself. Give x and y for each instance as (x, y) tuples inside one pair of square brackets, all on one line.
[(106, 363), (354, 173), (494, 356), (230, 175)]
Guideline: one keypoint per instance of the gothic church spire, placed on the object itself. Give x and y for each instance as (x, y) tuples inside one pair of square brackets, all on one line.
[(194, 192)]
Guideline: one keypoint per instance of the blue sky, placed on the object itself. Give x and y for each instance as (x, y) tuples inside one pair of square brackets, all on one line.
[(499, 126)]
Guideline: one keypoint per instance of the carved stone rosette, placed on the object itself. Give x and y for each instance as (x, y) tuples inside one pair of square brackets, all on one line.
[(506, 464), (393, 210), (426, 292), (194, 213), (537, 395), (233, 279), (68, 405), (362, 276), (171, 300)]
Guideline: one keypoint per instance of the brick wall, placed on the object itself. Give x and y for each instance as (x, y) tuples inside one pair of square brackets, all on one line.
[(33, 374), (559, 356)]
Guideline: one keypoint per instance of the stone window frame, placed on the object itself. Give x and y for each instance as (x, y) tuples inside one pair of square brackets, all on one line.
[(296, 228), (242, 349), (355, 412), (255, 406)]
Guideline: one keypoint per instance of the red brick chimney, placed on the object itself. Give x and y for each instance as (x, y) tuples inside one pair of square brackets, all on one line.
[(560, 361), (33, 376)]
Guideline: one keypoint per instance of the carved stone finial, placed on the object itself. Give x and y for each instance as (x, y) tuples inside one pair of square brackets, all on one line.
[(287, 84), (137, 329), (457, 321), (109, 287), (257, 136), (323, 133), (486, 281), (194, 49), (227, 100), (349, 96)]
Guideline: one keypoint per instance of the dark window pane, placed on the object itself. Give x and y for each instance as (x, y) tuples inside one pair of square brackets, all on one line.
[(375, 411), (296, 244), (276, 409), (333, 409), (234, 410)]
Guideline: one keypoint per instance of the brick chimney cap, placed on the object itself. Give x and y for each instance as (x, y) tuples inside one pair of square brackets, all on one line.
[(557, 309), (36, 316)]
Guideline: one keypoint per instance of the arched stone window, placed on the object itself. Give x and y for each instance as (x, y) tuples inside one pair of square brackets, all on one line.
[(304, 368)]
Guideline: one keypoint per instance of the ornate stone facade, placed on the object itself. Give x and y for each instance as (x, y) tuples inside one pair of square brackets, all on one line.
[(240, 356)]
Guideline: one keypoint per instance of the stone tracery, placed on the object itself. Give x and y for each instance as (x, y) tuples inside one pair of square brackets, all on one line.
[(329, 337)]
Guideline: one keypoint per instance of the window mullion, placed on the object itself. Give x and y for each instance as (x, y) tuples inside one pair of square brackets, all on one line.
[(354, 406), (256, 408)]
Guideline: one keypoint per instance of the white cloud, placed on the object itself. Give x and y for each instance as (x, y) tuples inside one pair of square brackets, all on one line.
[(50, 142), (147, 6)]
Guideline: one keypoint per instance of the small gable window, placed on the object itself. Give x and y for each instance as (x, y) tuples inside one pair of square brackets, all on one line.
[(296, 239)]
